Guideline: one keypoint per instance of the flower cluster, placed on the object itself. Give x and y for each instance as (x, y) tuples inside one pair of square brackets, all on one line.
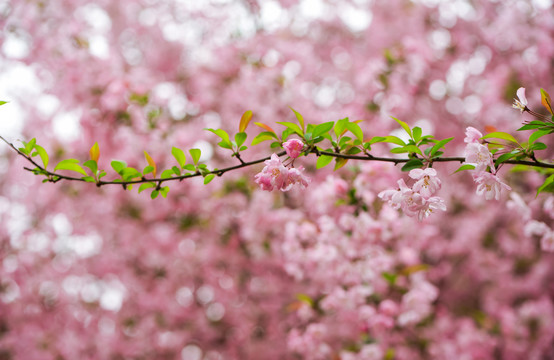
[(417, 200), (276, 175), (478, 155)]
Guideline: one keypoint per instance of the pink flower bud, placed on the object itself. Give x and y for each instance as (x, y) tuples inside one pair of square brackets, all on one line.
[(293, 148)]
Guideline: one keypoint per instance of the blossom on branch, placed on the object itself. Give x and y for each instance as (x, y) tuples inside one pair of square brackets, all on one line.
[(521, 102), (489, 185), (478, 155), (293, 148), (275, 175)]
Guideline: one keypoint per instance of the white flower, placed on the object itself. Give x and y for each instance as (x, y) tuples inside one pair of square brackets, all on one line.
[(489, 185), (521, 102)]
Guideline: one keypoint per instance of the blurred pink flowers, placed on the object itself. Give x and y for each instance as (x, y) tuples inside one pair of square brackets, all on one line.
[(489, 185), (275, 175)]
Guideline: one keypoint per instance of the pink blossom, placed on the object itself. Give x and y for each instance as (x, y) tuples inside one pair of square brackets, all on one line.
[(489, 185), (478, 155), (521, 102), (430, 206), (547, 241), (428, 183), (275, 175), (293, 148), (472, 135)]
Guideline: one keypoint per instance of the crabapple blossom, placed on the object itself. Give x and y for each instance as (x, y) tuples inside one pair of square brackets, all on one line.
[(293, 148), (427, 182), (521, 102), (472, 135), (489, 185), (275, 175), (478, 155)]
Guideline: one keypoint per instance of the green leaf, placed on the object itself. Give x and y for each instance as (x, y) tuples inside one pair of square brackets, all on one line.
[(3, 102), (176, 170), (323, 160), (189, 167), (71, 165), (130, 173), (322, 129), (505, 157), (417, 133), (377, 139), (438, 145), (208, 178), (340, 126), (240, 138), (295, 128), (88, 179), (465, 167), (92, 165), (340, 163), (535, 124), (147, 170), (500, 135), (222, 134), (154, 194), (394, 140), (537, 134), (389, 277), (412, 164), (300, 120), (356, 130), (406, 149), (166, 174), (29, 146), (118, 166), (195, 154), (547, 186), (43, 155), (405, 126), (261, 137), (538, 146), (145, 186), (179, 155), (305, 299), (164, 190)]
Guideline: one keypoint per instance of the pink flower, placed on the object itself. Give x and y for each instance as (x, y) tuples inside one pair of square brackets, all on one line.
[(521, 102), (478, 155), (472, 135), (428, 183), (489, 185), (430, 206), (276, 176), (293, 148), (547, 241)]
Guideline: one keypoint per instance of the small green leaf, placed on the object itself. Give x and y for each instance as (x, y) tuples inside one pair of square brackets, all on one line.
[(412, 164), (240, 138), (394, 140), (405, 126), (438, 145), (71, 165), (3, 102), (189, 167), (261, 137), (417, 133), (154, 194), (295, 128), (92, 165), (145, 186), (322, 129), (176, 170), (538, 146), (547, 186), (179, 155), (30, 145), (340, 127), (166, 174), (356, 130), (500, 135), (465, 167), (537, 134), (389, 277), (535, 124), (208, 178), (505, 157), (323, 160), (300, 119), (147, 170), (305, 299), (164, 190), (88, 179), (43, 155), (195, 154), (222, 134), (118, 166), (339, 163)]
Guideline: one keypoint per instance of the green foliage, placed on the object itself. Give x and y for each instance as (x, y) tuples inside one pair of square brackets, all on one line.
[(71, 165), (179, 155)]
